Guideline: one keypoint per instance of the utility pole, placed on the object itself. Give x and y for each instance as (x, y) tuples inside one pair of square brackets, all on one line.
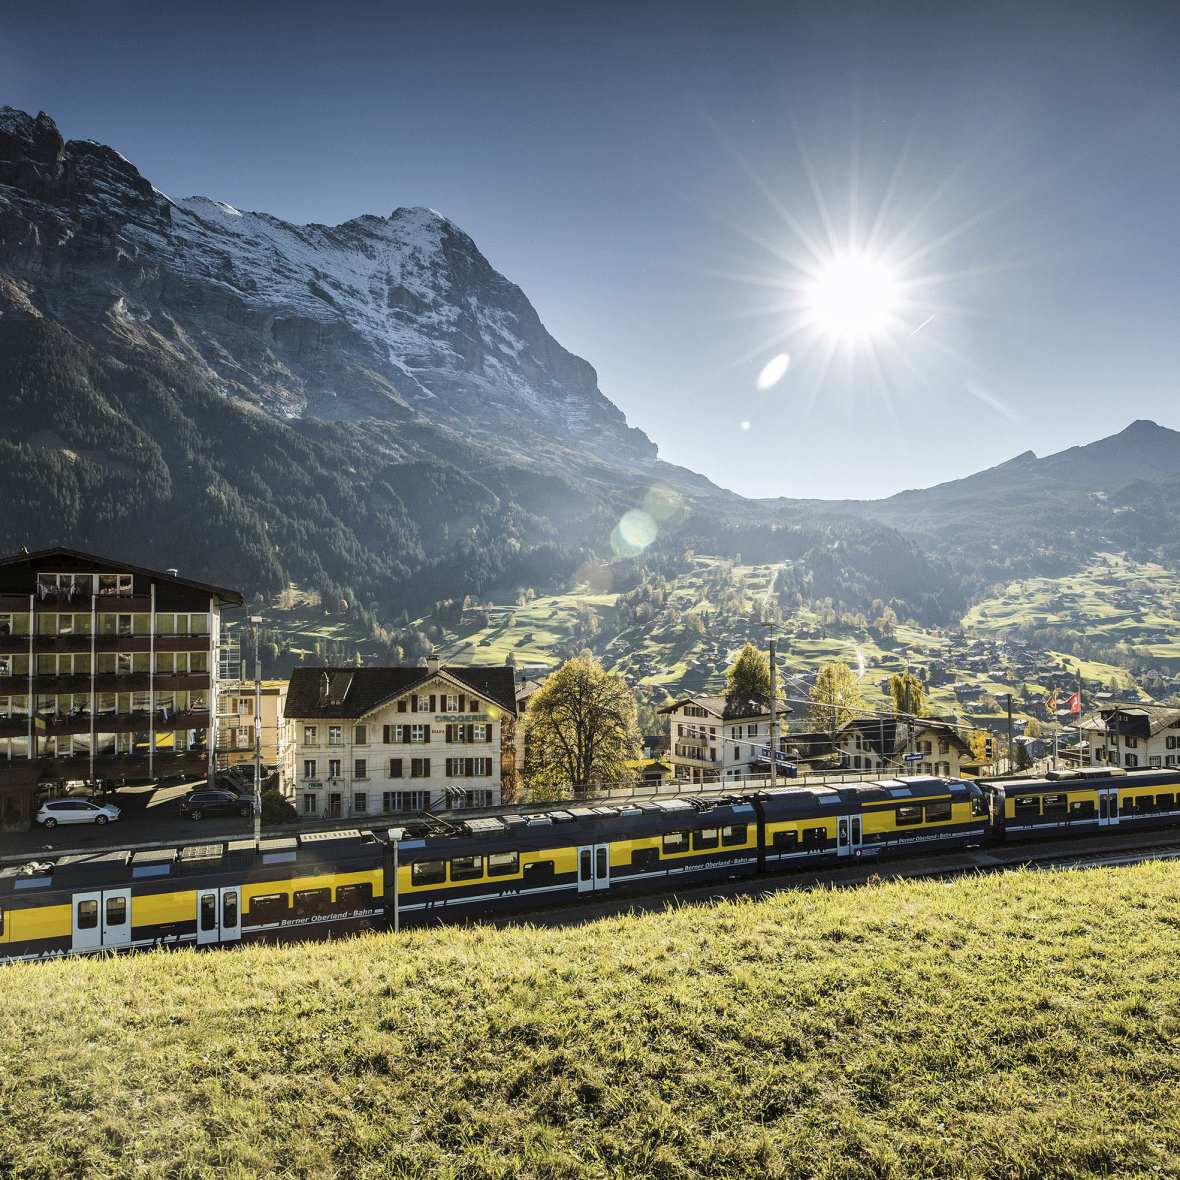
[(255, 622), (1009, 733), (396, 835), (773, 717)]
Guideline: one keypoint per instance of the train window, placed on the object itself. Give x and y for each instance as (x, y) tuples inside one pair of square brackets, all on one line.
[(815, 837), (1082, 809), (1, 922), (116, 911), (705, 838), (733, 834), (268, 906), (1027, 807), (229, 909), (312, 901), (675, 841), (909, 814), (786, 841), (978, 805), (1056, 804), (356, 897), (1165, 802), (208, 911), (87, 915), (644, 860), (466, 868), (938, 812), (538, 872), (429, 872), (502, 864)]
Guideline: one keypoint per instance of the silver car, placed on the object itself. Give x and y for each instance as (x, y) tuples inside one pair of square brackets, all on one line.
[(75, 811)]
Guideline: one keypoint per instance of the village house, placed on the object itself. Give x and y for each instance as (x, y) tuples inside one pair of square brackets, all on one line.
[(236, 725), (880, 744), (710, 741), (1133, 736), (400, 739)]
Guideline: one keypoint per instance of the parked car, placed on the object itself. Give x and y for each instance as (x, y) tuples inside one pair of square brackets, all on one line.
[(75, 811), (213, 801)]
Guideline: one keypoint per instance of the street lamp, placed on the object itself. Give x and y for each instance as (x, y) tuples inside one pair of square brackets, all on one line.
[(255, 623), (773, 712), (396, 835)]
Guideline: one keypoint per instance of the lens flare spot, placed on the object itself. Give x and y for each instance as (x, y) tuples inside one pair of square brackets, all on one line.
[(773, 371), (744, 425), (634, 533)]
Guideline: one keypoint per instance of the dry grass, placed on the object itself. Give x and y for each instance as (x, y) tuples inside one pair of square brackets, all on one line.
[(1012, 1026)]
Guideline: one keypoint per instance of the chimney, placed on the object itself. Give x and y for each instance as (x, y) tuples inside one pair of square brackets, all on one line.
[(432, 663), (325, 685), (172, 572)]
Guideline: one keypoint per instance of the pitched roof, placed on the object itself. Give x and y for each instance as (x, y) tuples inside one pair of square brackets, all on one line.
[(115, 565), (353, 692), (885, 734), (1141, 720), (720, 706)]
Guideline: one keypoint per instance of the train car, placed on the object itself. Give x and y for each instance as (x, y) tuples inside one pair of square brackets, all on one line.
[(829, 823), (313, 885), (514, 862), (1083, 800)]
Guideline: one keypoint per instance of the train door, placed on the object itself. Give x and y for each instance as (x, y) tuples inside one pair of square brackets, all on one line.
[(848, 835), (593, 867), (101, 920), (219, 917), (1108, 806), (116, 918)]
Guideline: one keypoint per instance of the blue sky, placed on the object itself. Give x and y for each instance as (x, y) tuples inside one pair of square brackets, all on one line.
[(662, 180)]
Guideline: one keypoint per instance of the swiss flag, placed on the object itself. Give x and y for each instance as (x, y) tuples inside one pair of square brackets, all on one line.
[(1073, 704)]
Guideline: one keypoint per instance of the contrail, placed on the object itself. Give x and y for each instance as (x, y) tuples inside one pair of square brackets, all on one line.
[(922, 324)]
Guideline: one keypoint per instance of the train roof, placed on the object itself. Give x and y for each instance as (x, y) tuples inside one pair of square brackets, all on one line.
[(110, 867), (1093, 776)]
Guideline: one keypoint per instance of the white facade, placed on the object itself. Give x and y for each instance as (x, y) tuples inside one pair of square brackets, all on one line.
[(704, 746), (1155, 745), (437, 746)]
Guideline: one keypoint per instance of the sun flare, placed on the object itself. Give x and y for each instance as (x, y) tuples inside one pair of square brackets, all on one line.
[(853, 296)]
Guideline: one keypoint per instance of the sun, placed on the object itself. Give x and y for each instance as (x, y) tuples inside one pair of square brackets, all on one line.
[(853, 297)]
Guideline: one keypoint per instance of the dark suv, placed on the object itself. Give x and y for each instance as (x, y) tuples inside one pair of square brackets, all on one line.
[(214, 802)]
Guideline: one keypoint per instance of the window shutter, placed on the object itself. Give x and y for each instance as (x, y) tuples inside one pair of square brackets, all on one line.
[(414, 702), (425, 767), (426, 733), (401, 705), (450, 733), (470, 733), (432, 702), (469, 767), (462, 703), (385, 734), (395, 768)]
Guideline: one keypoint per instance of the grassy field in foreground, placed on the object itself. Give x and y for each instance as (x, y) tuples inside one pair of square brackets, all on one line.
[(1012, 1026)]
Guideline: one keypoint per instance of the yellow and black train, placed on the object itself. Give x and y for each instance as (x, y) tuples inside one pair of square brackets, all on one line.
[(327, 883)]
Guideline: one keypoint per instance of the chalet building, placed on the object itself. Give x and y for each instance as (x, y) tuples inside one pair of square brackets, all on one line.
[(870, 743), (709, 741), (369, 741), (1133, 736), (235, 742), (108, 673)]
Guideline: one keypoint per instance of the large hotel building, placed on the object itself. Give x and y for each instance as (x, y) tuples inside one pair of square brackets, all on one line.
[(108, 672)]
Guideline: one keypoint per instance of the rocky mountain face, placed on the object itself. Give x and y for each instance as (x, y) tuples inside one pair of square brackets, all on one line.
[(372, 409), (369, 405)]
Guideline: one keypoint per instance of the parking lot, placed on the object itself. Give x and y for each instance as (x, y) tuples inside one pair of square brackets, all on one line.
[(150, 815)]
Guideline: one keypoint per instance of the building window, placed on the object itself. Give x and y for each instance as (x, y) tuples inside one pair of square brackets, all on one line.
[(309, 768), (360, 802), (360, 768), (310, 735), (360, 735), (310, 804), (451, 703), (419, 768), (477, 798), (333, 767), (334, 735), (392, 801), (420, 733)]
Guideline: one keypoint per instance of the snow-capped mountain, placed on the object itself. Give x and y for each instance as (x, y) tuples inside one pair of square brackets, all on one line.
[(364, 320)]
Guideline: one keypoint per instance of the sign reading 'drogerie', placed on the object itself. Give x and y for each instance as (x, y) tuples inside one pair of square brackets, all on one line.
[(461, 717)]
